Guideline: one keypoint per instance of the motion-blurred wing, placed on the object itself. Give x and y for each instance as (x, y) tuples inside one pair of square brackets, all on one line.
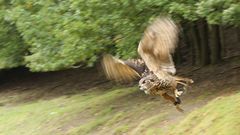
[(119, 70), (157, 44)]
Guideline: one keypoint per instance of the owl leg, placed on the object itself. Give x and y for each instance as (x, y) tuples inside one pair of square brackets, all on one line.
[(177, 104), (186, 80), (185, 84), (176, 101), (167, 97)]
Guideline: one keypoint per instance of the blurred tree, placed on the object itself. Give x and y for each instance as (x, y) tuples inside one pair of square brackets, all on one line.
[(220, 11), (12, 48), (59, 34)]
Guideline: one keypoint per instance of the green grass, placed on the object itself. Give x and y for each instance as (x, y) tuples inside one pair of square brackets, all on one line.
[(48, 116), (115, 111), (121, 129), (219, 117), (145, 125)]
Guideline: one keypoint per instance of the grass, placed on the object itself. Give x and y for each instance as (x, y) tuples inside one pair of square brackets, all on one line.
[(219, 117), (121, 129), (47, 116), (147, 123), (115, 111)]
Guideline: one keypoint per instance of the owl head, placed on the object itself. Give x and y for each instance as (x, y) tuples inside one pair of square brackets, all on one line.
[(148, 82)]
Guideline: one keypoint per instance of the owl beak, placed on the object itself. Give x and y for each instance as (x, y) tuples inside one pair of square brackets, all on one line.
[(140, 88)]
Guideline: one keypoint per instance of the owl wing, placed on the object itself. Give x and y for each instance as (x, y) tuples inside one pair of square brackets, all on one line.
[(157, 44), (122, 71)]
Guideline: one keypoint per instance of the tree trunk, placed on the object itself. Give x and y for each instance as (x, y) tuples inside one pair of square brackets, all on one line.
[(215, 44), (177, 56), (238, 34), (203, 33), (222, 41), (187, 41), (194, 38)]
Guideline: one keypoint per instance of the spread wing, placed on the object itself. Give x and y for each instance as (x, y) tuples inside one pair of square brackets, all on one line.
[(119, 70), (157, 44)]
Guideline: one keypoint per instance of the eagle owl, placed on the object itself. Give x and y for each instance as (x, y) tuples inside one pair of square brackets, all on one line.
[(155, 70)]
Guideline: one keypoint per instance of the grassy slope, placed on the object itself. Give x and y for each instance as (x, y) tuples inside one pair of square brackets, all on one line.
[(94, 111), (115, 111), (219, 117), (75, 103), (48, 116)]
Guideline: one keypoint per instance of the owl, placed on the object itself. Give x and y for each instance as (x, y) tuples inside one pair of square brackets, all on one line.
[(155, 70)]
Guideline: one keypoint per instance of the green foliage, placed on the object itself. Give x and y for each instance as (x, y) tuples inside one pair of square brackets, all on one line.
[(60, 34), (220, 11), (54, 34), (12, 48), (184, 9)]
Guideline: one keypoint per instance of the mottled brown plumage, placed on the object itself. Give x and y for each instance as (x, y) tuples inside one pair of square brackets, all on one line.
[(157, 44), (156, 68)]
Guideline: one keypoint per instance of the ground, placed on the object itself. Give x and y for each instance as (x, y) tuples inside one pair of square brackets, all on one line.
[(81, 101)]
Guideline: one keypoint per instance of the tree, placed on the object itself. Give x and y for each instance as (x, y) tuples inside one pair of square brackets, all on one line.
[(54, 35), (12, 48)]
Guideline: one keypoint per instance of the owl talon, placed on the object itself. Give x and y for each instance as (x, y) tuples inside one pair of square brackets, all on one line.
[(179, 109), (175, 103), (178, 100)]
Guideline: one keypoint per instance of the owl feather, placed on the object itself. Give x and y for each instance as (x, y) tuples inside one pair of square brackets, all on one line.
[(155, 48)]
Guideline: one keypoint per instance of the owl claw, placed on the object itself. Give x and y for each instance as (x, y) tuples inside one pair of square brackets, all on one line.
[(179, 109), (177, 102)]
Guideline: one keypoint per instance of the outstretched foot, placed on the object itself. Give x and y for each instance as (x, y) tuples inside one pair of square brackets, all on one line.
[(177, 103), (179, 108)]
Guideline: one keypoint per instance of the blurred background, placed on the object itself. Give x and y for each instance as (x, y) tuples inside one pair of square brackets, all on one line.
[(51, 80)]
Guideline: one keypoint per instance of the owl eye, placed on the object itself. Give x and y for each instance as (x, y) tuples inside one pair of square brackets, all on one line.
[(151, 80), (144, 81)]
